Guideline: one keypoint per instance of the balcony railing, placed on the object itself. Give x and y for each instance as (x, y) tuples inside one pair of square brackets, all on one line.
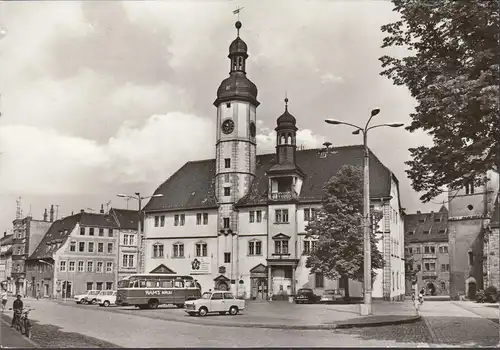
[(283, 196)]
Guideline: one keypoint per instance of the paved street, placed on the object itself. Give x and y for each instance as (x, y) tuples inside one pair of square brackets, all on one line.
[(10, 338), (450, 325)]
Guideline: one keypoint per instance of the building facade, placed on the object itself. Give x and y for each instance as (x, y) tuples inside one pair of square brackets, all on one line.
[(78, 253), (128, 241), (470, 210), (492, 250), (426, 241), (28, 233), (237, 222), (6, 262)]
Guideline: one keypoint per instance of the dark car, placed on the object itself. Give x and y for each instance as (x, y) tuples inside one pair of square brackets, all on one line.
[(305, 296)]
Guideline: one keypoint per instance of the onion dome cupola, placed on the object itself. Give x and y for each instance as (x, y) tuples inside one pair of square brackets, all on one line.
[(286, 137), (237, 86)]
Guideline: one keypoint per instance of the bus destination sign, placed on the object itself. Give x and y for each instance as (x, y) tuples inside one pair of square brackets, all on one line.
[(158, 292)]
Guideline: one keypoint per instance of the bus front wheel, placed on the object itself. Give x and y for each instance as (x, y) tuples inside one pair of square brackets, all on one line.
[(153, 304)]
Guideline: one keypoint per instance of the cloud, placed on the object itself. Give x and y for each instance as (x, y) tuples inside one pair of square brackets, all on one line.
[(266, 139)]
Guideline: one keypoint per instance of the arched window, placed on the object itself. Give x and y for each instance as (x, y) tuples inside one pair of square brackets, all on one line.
[(282, 139), (471, 258), (289, 139)]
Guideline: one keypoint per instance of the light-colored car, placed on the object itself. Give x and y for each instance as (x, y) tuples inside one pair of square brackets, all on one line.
[(89, 297), (106, 298), (212, 302), (332, 295)]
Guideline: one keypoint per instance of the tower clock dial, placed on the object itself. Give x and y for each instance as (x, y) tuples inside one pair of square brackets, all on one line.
[(252, 129), (227, 126)]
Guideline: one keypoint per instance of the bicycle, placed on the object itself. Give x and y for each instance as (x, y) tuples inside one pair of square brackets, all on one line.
[(23, 323)]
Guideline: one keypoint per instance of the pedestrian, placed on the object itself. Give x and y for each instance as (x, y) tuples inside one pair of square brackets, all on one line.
[(421, 296), (18, 308), (4, 299)]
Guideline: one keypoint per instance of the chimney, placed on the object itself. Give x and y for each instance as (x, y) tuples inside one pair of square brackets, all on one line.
[(45, 215), (102, 209), (82, 211), (418, 212), (71, 213), (5, 234), (51, 212)]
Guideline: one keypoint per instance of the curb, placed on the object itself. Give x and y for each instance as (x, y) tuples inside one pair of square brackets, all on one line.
[(327, 326), (35, 344)]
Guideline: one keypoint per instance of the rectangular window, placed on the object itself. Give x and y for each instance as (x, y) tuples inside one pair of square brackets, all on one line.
[(433, 267), (157, 221), (81, 246), (227, 191), (162, 221), (176, 220), (101, 232), (471, 258), (447, 267), (251, 216), (110, 248), (226, 178), (91, 247), (443, 267), (433, 250), (109, 285), (205, 218), (198, 219), (82, 231), (100, 247), (157, 250), (131, 260), (281, 247), (90, 266), (307, 214), (417, 250), (90, 285), (259, 215), (72, 246), (178, 250), (227, 163), (201, 249), (227, 258), (319, 280), (91, 231), (110, 232), (98, 285), (109, 266), (183, 219), (281, 215), (313, 213), (125, 260), (226, 222), (125, 239), (307, 247), (410, 233), (410, 250), (131, 240), (62, 266), (258, 248), (427, 267), (426, 250), (80, 266), (71, 267), (445, 249), (251, 248), (99, 266)]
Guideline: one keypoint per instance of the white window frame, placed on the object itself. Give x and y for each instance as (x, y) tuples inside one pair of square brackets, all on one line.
[(62, 265), (82, 264)]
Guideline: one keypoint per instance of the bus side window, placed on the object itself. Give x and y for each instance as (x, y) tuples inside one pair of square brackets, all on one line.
[(134, 284), (142, 284), (166, 284), (151, 284), (190, 284), (179, 284)]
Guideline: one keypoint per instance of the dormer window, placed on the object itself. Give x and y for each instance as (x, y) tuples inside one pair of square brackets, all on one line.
[(228, 105)]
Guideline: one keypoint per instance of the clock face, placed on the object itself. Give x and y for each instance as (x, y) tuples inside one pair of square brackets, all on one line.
[(252, 129), (227, 126)]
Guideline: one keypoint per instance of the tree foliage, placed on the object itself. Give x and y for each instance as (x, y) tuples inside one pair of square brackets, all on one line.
[(452, 71), (339, 229)]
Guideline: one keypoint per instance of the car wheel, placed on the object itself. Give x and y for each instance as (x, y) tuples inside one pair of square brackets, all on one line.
[(222, 312), (83, 301), (106, 303), (233, 310), (94, 301), (203, 311)]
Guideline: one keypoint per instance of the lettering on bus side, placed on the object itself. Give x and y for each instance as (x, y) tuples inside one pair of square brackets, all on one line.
[(158, 292)]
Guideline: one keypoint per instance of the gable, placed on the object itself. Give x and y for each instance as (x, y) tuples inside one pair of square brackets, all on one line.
[(163, 269), (221, 278), (281, 236), (259, 269)]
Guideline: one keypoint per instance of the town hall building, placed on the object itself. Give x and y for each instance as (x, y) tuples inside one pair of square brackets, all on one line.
[(237, 222)]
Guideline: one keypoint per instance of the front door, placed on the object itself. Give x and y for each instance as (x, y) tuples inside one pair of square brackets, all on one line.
[(472, 290), (46, 290), (262, 289)]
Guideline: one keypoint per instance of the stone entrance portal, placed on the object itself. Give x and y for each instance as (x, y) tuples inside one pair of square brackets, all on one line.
[(258, 282)]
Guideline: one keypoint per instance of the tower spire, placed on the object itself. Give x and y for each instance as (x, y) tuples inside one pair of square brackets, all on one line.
[(286, 101)]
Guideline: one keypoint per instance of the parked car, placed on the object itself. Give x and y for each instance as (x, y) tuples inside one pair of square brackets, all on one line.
[(305, 295), (331, 295), (89, 297), (212, 302), (106, 298)]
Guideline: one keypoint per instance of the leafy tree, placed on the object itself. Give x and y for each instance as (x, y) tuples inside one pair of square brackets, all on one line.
[(410, 273), (452, 71), (339, 229)]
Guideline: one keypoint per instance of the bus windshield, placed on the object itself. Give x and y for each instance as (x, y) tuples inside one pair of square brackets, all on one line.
[(123, 284)]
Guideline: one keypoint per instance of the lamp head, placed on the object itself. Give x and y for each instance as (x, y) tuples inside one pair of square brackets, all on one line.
[(356, 132), (122, 195), (395, 125), (375, 112), (332, 121), (157, 195)]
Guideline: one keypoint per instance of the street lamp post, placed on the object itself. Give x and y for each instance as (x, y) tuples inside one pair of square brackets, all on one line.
[(137, 196), (366, 307)]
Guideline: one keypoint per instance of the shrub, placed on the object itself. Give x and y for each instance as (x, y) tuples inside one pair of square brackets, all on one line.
[(490, 294), (480, 296)]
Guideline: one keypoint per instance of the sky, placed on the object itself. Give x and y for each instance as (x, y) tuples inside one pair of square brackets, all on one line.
[(107, 97)]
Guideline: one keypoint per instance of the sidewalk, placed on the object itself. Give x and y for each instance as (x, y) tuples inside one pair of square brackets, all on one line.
[(11, 338), (486, 310)]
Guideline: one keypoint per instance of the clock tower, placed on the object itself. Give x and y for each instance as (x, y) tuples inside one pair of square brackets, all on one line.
[(235, 144)]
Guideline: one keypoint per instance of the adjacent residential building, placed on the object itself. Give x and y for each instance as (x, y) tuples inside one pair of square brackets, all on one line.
[(470, 210), (6, 243), (492, 250), (237, 222), (28, 233), (128, 241), (426, 240), (78, 253)]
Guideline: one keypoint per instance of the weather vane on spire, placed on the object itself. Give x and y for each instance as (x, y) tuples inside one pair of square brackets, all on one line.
[(237, 12), (286, 100)]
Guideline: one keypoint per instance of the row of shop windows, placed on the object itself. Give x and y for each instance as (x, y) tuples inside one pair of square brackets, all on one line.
[(92, 231), (99, 285), (72, 266)]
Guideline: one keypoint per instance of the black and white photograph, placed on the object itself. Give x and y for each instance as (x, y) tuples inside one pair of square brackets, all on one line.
[(249, 174)]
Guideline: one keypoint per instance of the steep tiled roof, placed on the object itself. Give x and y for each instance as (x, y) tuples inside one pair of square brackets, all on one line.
[(435, 223), (192, 186), (57, 234), (127, 219), (6, 240), (98, 220)]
